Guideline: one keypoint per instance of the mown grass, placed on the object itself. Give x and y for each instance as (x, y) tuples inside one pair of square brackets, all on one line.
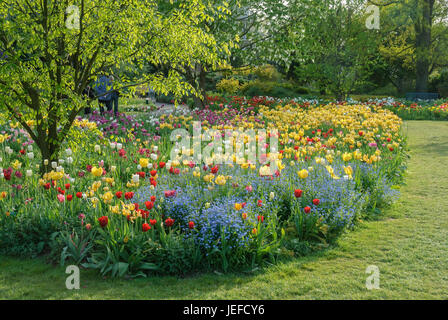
[(409, 244)]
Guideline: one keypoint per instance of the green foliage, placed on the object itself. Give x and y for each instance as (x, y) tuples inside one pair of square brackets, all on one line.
[(27, 235), (272, 89), (228, 86), (51, 54)]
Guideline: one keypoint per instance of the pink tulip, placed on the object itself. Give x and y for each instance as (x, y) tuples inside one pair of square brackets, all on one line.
[(61, 198)]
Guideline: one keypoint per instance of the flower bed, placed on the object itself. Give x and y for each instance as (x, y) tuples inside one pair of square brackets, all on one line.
[(118, 202)]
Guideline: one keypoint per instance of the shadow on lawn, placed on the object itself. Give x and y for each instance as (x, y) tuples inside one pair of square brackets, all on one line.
[(432, 149)]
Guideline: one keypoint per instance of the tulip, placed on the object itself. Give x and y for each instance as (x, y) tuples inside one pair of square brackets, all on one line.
[(298, 193), (144, 162), (303, 174), (61, 197), (146, 227)]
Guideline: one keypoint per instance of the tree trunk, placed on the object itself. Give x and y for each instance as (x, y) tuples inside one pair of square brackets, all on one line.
[(198, 73), (422, 45), (202, 82)]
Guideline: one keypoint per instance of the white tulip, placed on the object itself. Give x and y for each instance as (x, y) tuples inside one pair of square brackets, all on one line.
[(30, 148), (119, 146), (29, 173), (68, 152), (54, 164), (46, 162), (135, 178)]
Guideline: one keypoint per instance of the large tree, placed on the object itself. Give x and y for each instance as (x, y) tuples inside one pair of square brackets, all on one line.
[(52, 49), (415, 30), (341, 51), (254, 32)]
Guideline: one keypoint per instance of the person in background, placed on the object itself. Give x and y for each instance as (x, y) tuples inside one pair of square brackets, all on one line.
[(115, 94), (103, 89)]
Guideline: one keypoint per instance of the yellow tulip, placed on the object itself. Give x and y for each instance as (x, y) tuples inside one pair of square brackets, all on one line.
[(97, 172), (144, 162), (303, 174)]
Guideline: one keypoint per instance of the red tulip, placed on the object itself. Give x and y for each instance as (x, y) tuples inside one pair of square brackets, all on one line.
[(149, 205), (153, 222), (153, 172), (191, 225), (119, 194), (104, 220), (69, 197), (144, 213), (79, 195), (146, 227), (161, 164), (141, 174), (67, 186), (316, 202), (298, 193), (169, 222), (129, 195), (153, 198), (307, 209)]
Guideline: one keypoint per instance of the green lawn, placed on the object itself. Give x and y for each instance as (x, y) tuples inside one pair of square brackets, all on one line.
[(409, 245)]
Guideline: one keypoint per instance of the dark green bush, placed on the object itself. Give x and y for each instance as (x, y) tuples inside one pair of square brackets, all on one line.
[(27, 235), (273, 89)]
